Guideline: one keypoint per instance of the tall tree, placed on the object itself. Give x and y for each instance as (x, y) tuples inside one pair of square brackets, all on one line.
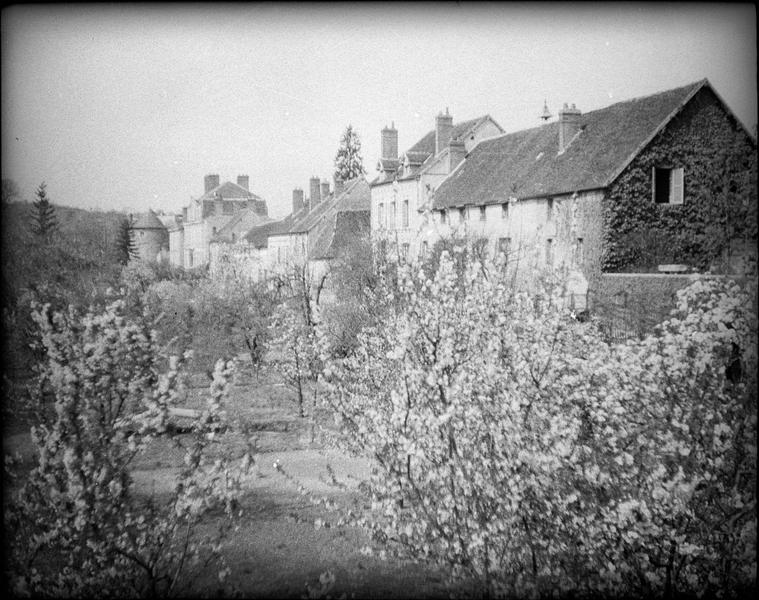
[(44, 221), (126, 249), (348, 162)]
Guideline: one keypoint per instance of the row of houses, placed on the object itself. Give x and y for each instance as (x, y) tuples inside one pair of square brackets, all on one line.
[(633, 186)]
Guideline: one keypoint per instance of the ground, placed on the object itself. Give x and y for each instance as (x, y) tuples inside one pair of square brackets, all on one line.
[(278, 549)]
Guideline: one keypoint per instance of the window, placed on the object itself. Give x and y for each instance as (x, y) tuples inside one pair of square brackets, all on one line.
[(549, 215), (482, 213), (380, 215), (579, 252), (462, 214), (442, 217), (405, 213), (505, 210), (549, 252), (392, 215), (189, 258), (667, 185)]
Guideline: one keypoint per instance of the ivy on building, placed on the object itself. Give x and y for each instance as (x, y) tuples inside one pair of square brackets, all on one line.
[(720, 195)]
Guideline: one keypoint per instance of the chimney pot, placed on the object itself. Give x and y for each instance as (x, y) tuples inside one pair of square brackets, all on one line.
[(443, 130), (389, 142), (324, 189), (456, 153), (210, 182), (315, 192), (569, 125), (337, 185)]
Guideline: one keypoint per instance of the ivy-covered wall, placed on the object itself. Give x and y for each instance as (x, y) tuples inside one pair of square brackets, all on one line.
[(719, 207)]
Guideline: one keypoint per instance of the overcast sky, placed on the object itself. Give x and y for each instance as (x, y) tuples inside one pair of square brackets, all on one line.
[(128, 107)]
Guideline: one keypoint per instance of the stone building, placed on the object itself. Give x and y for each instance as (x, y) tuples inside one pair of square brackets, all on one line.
[(402, 189), (205, 216), (627, 187), (151, 237)]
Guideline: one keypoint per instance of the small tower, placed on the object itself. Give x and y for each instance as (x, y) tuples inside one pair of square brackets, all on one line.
[(150, 237)]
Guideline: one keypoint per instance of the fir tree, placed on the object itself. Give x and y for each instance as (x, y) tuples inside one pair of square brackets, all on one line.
[(126, 249), (44, 221), (348, 162)]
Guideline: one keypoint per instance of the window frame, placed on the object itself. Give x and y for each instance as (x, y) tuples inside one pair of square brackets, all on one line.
[(675, 185), (483, 213)]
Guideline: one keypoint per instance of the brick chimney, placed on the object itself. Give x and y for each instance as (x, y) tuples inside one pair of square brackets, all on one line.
[(569, 125), (298, 202), (325, 189), (457, 152), (313, 186), (389, 142), (244, 182), (211, 181), (338, 185), (443, 130)]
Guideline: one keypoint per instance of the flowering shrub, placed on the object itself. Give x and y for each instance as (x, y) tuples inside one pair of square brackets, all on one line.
[(76, 526), (514, 446)]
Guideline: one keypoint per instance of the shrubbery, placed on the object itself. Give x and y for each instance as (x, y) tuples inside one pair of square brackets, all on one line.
[(514, 446), (75, 525)]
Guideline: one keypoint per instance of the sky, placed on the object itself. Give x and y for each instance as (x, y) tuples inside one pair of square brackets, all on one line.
[(127, 107)]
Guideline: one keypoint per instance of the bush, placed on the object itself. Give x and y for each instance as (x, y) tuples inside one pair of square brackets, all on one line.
[(75, 526), (514, 446)]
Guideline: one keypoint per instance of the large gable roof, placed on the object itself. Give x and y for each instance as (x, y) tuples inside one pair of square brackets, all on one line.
[(527, 164), (228, 191)]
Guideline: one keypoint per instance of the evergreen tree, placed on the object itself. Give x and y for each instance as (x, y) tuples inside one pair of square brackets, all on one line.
[(126, 249), (44, 221), (348, 162)]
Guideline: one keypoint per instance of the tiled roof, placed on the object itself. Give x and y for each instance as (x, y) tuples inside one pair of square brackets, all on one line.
[(347, 215), (228, 190), (240, 224), (427, 143), (148, 220), (259, 235), (527, 164)]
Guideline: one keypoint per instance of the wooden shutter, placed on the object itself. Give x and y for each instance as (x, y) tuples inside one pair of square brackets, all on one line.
[(677, 181)]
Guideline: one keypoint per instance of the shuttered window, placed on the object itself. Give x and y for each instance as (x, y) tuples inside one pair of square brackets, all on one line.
[(668, 185)]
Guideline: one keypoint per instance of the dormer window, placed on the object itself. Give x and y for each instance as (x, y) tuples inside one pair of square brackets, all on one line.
[(668, 185)]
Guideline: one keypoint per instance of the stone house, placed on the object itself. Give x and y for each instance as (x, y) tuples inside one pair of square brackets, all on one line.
[(633, 186), (317, 230), (205, 216), (402, 189), (151, 237)]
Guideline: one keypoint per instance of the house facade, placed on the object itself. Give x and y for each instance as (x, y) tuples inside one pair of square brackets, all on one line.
[(207, 215), (400, 193), (632, 186), (315, 233)]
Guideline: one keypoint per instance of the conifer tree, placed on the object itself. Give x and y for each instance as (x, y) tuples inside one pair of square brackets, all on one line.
[(44, 221), (126, 249), (348, 162)]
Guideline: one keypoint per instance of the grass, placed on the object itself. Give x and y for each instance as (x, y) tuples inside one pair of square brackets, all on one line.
[(277, 551)]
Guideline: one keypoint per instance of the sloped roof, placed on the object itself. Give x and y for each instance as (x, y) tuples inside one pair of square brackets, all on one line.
[(259, 235), (336, 234), (229, 190), (148, 220), (347, 216), (423, 149), (240, 224), (527, 164)]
